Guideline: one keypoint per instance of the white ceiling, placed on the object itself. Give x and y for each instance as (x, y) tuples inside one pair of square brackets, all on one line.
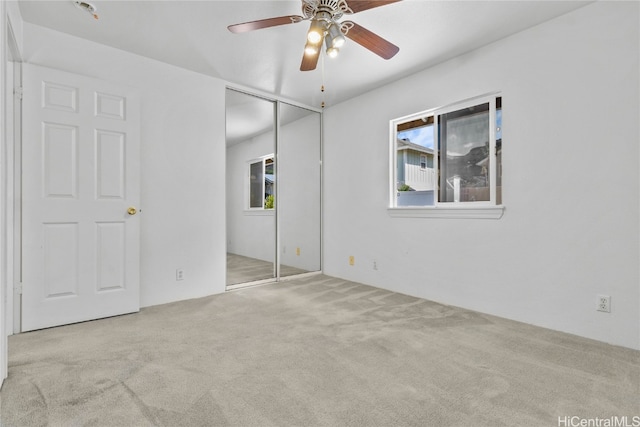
[(193, 35)]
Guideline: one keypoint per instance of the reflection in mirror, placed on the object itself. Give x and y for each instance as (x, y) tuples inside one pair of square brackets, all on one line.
[(262, 183), (250, 182), (298, 193)]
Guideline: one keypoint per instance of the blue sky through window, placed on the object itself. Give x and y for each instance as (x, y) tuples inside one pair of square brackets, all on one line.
[(421, 136)]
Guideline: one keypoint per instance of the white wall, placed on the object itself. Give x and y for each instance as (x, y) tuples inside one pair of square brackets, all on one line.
[(249, 233), (15, 18), (183, 161), (571, 184)]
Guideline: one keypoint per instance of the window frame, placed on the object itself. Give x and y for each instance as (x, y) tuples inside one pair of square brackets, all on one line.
[(247, 198), (460, 209)]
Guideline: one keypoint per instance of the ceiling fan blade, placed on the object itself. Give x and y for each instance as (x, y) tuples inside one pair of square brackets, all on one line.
[(309, 62), (264, 23), (358, 6), (371, 41)]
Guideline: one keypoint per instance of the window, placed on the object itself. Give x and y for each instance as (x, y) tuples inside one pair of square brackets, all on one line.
[(261, 183), (449, 157)]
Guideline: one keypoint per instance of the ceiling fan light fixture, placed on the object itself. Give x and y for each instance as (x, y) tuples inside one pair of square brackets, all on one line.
[(316, 32), (337, 38), (332, 51), (310, 48)]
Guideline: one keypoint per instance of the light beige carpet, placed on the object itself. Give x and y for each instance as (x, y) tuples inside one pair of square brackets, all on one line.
[(316, 351)]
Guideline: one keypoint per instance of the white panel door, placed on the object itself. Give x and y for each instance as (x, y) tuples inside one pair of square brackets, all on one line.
[(80, 160)]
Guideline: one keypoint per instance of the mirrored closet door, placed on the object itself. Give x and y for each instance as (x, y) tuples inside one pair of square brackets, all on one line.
[(298, 190), (273, 189)]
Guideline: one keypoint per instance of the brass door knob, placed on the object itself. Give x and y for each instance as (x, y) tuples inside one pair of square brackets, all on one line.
[(132, 211)]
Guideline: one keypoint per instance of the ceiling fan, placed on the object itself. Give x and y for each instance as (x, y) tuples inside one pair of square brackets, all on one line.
[(324, 16)]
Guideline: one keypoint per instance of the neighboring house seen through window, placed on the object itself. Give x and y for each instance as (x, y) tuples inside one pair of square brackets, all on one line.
[(450, 155), (261, 183)]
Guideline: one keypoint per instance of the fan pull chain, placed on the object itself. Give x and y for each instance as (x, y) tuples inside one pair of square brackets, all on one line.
[(322, 87)]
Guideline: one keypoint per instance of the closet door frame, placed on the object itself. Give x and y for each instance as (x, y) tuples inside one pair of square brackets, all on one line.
[(277, 149)]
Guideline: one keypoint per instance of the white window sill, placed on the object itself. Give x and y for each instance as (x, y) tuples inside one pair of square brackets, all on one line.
[(259, 212), (471, 212)]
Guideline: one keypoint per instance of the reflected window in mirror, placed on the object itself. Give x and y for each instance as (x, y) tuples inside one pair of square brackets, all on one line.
[(262, 180)]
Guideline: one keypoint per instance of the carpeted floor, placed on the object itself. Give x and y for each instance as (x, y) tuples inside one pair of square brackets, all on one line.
[(316, 351)]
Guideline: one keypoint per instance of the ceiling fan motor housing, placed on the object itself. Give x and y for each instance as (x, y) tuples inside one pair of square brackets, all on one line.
[(325, 10)]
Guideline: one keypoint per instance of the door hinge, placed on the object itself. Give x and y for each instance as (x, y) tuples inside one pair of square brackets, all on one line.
[(18, 289), (17, 92)]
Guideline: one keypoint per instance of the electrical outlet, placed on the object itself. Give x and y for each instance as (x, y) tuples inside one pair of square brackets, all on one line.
[(179, 274), (375, 264), (352, 260), (604, 303), (298, 251)]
